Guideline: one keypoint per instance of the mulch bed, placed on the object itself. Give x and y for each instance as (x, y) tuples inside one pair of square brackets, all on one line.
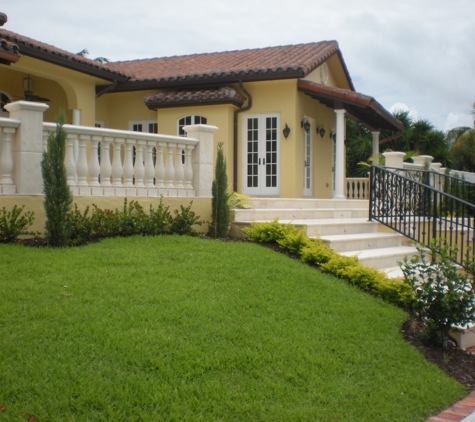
[(456, 363)]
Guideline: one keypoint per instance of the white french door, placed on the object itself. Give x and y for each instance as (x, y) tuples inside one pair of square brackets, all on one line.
[(261, 154), (307, 164)]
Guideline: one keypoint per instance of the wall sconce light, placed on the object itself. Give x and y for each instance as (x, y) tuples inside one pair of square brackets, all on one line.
[(27, 85), (321, 130), (305, 123), (286, 131)]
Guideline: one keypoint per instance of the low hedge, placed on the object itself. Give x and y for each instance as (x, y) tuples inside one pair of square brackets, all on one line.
[(315, 252)]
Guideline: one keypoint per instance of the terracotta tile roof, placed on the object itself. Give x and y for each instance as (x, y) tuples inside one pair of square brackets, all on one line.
[(9, 52), (362, 108), (223, 95), (33, 48), (290, 61)]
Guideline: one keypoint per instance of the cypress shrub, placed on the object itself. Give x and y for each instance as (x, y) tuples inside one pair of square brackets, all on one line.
[(220, 212), (58, 197)]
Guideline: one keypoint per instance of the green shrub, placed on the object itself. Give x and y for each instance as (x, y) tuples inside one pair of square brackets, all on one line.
[(338, 265), (160, 220), (317, 253), (443, 295), (95, 223), (183, 221), (295, 242), (268, 232), (13, 225)]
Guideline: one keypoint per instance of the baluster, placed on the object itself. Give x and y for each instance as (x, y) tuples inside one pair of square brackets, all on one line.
[(188, 167), (45, 140), (105, 166), (6, 162), (81, 165), (159, 166), (169, 170), (138, 166), (117, 169), (179, 166), (94, 168), (149, 170), (69, 159), (128, 170)]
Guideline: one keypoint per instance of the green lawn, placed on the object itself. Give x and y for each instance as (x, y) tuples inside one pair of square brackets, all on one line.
[(186, 329)]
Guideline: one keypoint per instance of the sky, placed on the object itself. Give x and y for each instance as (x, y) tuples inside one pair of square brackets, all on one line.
[(414, 55)]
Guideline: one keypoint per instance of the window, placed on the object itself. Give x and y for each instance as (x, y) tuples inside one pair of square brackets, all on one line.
[(190, 120), (148, 126)]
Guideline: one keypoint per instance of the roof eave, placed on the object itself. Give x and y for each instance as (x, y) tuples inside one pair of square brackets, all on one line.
[(206, 81), (173, 104), (70, 64)]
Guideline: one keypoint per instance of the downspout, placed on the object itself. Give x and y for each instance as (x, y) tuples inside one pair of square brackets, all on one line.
[(397, 135), (106, 90), (235, 134)]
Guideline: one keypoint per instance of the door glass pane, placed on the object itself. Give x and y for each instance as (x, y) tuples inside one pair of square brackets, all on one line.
[(271, 152), (252, 152)]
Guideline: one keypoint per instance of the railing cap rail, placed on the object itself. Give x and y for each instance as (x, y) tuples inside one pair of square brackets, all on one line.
[(117, 133), (7, 122)]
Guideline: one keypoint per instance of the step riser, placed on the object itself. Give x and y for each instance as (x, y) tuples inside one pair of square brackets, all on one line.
[(306, 203), (359, 244), (383, 261), (272, 214), (316, 230)]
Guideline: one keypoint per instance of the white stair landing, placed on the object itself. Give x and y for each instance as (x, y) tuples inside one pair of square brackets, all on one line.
[(342, 224)]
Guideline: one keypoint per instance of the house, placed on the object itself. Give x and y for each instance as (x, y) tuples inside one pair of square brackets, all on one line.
[(280, 111)]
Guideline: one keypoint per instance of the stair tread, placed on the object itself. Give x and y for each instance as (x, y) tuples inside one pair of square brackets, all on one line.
[(379, 252), (359, 236)]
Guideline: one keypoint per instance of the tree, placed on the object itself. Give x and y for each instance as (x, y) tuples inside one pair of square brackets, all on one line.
[(58, 198), (462, 140), (419, 137), (220, 212)]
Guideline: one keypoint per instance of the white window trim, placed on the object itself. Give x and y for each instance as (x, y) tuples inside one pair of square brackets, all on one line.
[(144, 123)]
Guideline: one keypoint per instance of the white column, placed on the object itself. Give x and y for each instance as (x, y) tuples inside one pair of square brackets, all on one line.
[(340, 155), (202, 158), (6, 162), (76, 116), (28, 146), (375, 147)]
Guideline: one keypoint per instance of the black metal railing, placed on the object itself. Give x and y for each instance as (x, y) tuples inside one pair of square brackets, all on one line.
[(424, 205)]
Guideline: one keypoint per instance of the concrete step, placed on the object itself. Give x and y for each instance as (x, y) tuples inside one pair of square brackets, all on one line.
[(302, 203), (259, 214), (382, 258), (327, 227), (359, 241)]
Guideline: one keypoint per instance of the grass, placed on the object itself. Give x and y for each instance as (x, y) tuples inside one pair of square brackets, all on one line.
[(185, 329)]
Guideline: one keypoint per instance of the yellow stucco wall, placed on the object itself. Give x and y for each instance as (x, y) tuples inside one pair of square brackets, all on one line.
[(117, 109), (202, 207), (67, 89)]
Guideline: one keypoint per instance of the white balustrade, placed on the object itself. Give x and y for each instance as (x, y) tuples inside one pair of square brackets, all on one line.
[(6, 159), (100, 161), (357, 187)]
